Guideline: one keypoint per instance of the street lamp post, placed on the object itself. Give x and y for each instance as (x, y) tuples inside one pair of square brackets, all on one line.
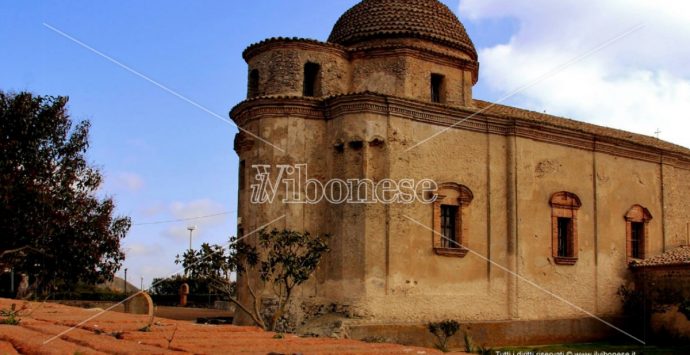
[(190, 229)]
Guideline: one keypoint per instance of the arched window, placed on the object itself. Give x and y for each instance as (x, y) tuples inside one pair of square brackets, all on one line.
[(312, 86), (564, 206), (637, 232), (253, 89), (450, 219)]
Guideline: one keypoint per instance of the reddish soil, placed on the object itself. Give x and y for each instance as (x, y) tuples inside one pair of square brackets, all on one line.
[(43, 330)]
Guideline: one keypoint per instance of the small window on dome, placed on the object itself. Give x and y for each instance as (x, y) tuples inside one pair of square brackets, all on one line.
[(241, 178), (253, 89), (437, 88), (312, 86)]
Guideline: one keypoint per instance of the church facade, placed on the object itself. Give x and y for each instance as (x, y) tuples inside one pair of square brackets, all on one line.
[(532, 217)]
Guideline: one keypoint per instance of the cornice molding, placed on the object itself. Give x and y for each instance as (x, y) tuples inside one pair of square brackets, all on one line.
[(458, 117), (294, 42)]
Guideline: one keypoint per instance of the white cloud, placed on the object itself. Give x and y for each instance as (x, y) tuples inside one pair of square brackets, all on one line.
[(129, 181), (193, 209), (140, 250), (153, 209), (639, 83)]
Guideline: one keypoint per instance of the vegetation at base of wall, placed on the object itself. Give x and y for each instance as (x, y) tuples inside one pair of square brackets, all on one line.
[(468, 342), (10, 316), (639, 306), (282, 259), (625, 345), (470, 347), (443, 331), (287, 259), (684, 307)]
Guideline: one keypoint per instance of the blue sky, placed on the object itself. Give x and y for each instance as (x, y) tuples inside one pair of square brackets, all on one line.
[(165, 159)]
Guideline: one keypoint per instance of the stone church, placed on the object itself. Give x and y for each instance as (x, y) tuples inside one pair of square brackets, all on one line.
[(534, 220)]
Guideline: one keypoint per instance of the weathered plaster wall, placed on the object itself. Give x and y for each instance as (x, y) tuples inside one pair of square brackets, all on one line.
[(621, 183), (418, 79), (381, 74), (281, 70), (677, 206), (542, 170), (421, 283)]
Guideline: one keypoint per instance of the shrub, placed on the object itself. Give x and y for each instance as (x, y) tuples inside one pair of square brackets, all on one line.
[(443, 331), (10, 316)]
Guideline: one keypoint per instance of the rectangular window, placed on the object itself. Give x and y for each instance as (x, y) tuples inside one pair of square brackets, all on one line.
[(564, 236), (311, 79), (449, 215), (240, 178), (436, 87), (253, 84), (636, 239)]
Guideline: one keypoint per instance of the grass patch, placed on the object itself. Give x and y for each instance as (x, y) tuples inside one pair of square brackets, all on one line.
[(607, 346)]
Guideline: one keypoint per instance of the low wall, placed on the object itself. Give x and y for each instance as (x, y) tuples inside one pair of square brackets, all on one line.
[(492, 334), (663, 278)]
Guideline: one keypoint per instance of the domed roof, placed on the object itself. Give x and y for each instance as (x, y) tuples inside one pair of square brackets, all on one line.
[(428, 19)]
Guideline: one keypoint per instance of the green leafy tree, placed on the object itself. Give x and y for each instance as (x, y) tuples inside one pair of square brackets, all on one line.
[(204, 268), (284, 259), (54, 228), (289, 259), (210, 261)]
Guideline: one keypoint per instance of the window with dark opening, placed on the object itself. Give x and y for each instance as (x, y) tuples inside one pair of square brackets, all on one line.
[(253, 89), (636, 239), (564, 236), (449, 215), (564, 208), (240, 179), (311, 79), (436, 87), (450, 235), (637, 232)]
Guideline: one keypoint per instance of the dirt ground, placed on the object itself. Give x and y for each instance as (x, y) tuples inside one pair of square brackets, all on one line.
[(48, 328)]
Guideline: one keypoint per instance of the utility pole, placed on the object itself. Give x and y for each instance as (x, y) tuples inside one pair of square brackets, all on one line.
[(125, 281), (190, 229), (141, 287)]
